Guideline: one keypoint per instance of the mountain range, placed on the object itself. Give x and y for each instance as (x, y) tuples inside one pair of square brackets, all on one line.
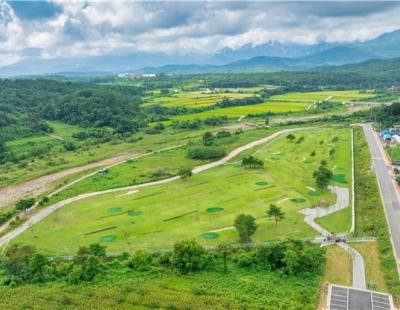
[(271, 56)]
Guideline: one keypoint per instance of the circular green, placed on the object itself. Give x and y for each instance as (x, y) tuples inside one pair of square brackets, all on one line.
[(314, 193), (262, 183), (209, 235), (340, 178), (108, 238), (215, 209), (114, 209), (297, 200), (134, 213)]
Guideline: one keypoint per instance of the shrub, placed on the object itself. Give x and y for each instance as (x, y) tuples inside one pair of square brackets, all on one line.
[(188, 256), (140, 261), (206, 153)]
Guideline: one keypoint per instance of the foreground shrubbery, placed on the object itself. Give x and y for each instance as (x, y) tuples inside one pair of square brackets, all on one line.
[(24, 264)]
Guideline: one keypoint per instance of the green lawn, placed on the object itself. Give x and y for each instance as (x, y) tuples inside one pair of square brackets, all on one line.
[(337, 222), (156, 217)]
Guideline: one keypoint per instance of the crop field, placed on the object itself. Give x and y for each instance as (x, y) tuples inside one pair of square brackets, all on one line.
[(341, 95), (233, 112), (158, 216), (289, 102), (195, 99)]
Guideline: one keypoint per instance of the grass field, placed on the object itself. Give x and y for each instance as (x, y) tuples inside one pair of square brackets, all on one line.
[(373, 273), (338, 269), (337, 222), (156, 166), (57, 158), (158, 216)]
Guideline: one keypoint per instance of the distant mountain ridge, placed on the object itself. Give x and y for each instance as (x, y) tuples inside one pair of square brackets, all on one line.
[(337, 55), (271, 56)]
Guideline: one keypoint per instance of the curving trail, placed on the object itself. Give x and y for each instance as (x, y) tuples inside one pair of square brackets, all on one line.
[(40, 215), (343, 199)]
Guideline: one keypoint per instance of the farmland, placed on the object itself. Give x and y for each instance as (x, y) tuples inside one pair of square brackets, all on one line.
[(284, 103), (195, 99), (156, 217)]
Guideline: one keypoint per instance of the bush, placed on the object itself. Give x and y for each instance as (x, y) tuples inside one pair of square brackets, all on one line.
[(188, 256), (206, 153), (140, 261), (24, 204)]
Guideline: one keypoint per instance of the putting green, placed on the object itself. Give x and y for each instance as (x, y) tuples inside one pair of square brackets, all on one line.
[(340, 178), (109, 238), (215, 209), (314, 193), (262, 183), (297, 200), (114, 209), (134, 213), (209, 235)]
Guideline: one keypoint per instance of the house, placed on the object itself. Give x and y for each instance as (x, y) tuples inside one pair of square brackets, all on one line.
[(392, 89)]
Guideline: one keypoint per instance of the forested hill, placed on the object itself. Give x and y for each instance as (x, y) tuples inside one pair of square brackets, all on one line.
[(24, 104), (373, 67)]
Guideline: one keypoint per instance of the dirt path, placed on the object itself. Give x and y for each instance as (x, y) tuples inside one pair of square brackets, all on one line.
[(12, 193), (40, 215)]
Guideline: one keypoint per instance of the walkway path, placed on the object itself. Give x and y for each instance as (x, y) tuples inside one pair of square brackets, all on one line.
[(342, 201), (40, 215)]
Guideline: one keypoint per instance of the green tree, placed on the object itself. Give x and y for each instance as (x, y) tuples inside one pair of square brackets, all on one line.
[(332, 152), (322, 176), (188, 256), (224, 249), (276, 213), (3, 151), (246, 226), (208, 138), (290, 137), (266, 121), (185, 173), (24, 204), (252, 162)]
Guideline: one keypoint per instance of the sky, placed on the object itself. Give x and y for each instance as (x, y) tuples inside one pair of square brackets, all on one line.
[(71, 28)]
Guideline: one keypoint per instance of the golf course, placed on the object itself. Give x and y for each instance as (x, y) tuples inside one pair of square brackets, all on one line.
[(205, 205)]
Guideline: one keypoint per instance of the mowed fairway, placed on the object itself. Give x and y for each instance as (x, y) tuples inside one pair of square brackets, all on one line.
[(204, 207)]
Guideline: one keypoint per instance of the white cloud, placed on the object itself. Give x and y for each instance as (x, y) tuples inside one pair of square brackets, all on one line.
[(95, 28)]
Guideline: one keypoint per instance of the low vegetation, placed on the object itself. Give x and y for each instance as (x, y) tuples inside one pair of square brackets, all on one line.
[(370, 217)]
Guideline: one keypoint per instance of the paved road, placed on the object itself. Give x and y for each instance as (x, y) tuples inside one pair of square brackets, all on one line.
[(48, 210), (342, 201), (389, 194)]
